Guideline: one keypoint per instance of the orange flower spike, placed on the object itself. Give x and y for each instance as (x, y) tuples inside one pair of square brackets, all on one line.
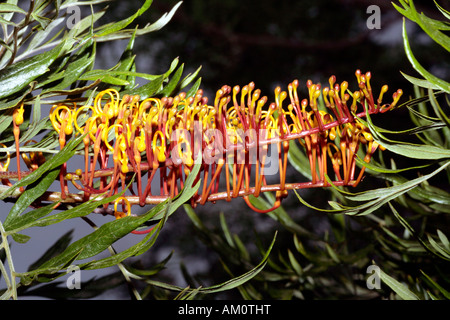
[(275, 206), (344, 87), (383, 90), (246, 106), (223, 111), (336, 159), (311, 90), (344, 98), (332, 104), (119, 111), (283, 168), (296, 100), (345, 162), (138, 147), (356, 97), (159, 151), (396, 97), (304, 116), (325, 92), (241, 109), (63, 125), (371, 148), (358, 75), (223, 99), (293, 96), (280, 96), (328, 97), (136, 115), (202, 115), (314, 94), (205, 194), (236, 90), (123, 161), (245, 90), (108, 110), (17, 121), (126, 207), (251, 107), (4, 166), (336, 103), (368, 76), (259, 106), (219, 95), (332, 81), (35, 160), (367, 96)]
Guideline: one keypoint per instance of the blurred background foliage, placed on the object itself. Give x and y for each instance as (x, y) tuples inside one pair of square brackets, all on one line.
[(317, 255), (273, 43)]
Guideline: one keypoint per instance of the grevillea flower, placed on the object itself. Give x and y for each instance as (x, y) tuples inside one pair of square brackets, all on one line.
[(163, 138)]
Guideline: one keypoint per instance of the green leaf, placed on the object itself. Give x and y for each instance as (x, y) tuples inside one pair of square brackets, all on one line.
[(173, 83), (378, 168), (376, 198), (106, 76), (295, 264), (74, 69), (442, 10), (193, 90), (33, 192), (439, 249), (20, 238), (408, 227), (398, 287), (299, 160), (437, 108), (41, 34), (85, 23), (189, 78), (226, 231), (227, 285), (39, 217), (431, 29), (142, 246), (441, 84), (7, 7), (383, 193), (332, 253), (416, 151), (147, 90), (27, 219), (17, 76), (127, 63), (420, 82), (59, 246), (411, 15), (443, 239), (437, 286), (117, 26)]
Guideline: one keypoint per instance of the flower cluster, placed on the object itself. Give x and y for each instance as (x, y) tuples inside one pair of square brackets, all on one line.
[(159, 140)]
